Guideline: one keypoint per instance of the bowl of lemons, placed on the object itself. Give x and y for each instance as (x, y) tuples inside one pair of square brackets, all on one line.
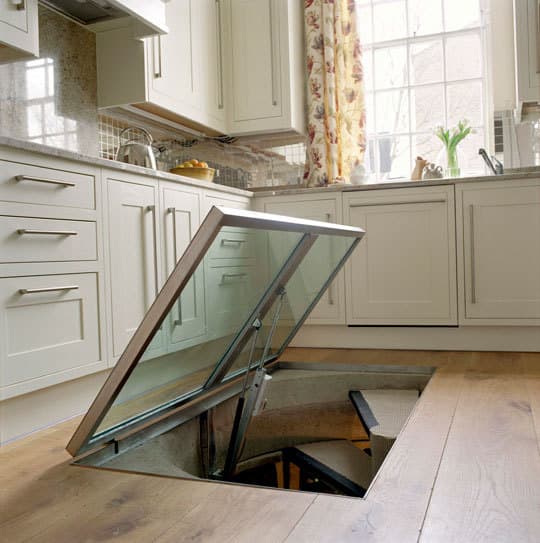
[(195, 169)]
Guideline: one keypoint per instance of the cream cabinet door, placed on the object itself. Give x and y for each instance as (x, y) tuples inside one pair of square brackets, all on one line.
[(256, 58), (173, 67), (180, 212), (19, 32), (499, 250), (331, 307), (404, 270), (133, 257)]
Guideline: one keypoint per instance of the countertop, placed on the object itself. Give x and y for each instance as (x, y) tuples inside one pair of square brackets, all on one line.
[(23, 145), (465, 468), (524, 173)]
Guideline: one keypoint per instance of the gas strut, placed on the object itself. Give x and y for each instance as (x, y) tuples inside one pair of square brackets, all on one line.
[(251, 398)]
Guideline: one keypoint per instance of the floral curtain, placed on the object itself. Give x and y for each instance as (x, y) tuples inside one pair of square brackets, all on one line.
[(335, 96)]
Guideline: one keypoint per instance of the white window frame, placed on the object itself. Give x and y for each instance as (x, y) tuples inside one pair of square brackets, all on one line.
[(372, 138)]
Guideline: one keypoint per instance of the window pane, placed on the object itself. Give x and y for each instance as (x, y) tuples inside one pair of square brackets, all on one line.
[(427, 146), (460, 14), (370, 121), (425, 17), (426, 62), (464, 101), (367, 65), (363, 17), (390, 67), (427, 108), (469, 159), (395, 157), (390, 20), (463, 57), (392, 112)]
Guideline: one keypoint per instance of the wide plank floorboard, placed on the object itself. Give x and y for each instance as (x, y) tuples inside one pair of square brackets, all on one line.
[(487, 487)]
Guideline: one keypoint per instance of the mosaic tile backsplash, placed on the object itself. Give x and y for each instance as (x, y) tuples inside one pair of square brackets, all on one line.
[(53, 100)]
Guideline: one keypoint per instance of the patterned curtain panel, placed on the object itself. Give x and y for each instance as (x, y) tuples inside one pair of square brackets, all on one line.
[(335, 95)]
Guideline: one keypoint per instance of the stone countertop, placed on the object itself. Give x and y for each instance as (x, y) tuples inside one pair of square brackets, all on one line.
[(24, 145), (524, 173)]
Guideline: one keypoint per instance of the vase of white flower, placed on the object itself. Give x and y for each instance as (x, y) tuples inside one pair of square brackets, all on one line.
[(451, 139)]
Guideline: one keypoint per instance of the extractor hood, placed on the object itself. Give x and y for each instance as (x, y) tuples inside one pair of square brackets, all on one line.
[(149, 15)]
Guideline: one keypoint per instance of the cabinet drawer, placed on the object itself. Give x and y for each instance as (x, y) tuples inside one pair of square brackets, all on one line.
[(26, 184), (234, 243), (232, 292), (25, 239), (49, 324)]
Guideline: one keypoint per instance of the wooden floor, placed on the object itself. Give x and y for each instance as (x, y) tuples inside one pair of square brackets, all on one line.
[(466, 468)]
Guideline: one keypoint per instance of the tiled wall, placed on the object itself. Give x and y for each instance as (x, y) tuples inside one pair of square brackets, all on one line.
[(246, 164), (53, 101)]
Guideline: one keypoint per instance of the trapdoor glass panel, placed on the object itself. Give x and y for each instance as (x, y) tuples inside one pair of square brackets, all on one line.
[(243, 271)]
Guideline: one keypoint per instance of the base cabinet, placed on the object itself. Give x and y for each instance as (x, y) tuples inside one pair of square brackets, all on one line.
[(404, 270), (132, 254), (331, 307), (180, 212), (499, 250)]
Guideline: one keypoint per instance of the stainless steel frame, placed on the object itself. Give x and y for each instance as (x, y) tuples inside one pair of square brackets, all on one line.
[(217, 218)]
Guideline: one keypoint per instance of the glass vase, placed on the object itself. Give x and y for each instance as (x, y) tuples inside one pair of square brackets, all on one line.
[(452, 163)]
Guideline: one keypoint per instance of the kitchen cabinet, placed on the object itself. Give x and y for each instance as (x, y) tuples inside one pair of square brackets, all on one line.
[(265, 55), (527, 46), (178, 75), (404, 271), (499, 252), (19, 31), (331, 307), (52, 324), (180, 212), (133, 254)]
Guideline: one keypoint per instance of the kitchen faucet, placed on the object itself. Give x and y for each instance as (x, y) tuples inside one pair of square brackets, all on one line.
[(497, 168)]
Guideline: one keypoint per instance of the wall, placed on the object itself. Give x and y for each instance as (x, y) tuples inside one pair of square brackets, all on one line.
[(52, 100)]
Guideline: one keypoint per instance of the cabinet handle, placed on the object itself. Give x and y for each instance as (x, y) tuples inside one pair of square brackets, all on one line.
[(152, 209), (473, 263), (43, 180), (272, 52), (219, 34), (156, 50), (226, 276), (233, 241), (177, 320), (365, 204), (19, 4), (46, 289), (23, 231)]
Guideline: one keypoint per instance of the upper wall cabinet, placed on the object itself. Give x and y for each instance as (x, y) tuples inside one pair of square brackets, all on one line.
[(265, 48), (526, 20), (177, 76), (19, 33)]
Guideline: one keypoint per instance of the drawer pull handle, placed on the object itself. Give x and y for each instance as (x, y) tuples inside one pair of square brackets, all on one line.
[(46, 289), (64, 184), (405, 202), (226, 276), (233, 241), (23, 231)]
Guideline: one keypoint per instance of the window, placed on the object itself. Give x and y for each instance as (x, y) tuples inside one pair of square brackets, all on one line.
[(423, 67)]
